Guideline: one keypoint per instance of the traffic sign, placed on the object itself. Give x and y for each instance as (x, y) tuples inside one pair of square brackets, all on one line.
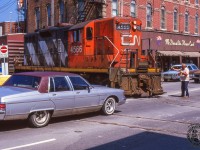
[(3, 51)]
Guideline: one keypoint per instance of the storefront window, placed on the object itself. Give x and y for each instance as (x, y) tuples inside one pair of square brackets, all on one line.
[(197, 23), (149, 15), (186, 22), (175, 20), (163, 18), (133, 8)]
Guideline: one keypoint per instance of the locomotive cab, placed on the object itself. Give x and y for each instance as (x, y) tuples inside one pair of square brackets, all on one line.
[(103, 43)]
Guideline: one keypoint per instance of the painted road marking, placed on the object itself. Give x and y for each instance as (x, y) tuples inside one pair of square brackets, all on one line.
[(31, 144)]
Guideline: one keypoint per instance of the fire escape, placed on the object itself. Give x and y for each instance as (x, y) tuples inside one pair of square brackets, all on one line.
[(88, 10)]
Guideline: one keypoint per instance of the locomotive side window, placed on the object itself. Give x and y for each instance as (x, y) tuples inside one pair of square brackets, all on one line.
[(89, 32), (76, 35)]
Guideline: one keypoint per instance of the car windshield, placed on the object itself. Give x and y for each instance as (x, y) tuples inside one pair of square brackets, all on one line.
[(194, 67), (23, 81), (176, 67)]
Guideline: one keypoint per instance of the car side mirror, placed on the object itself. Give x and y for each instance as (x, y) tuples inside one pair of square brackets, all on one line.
[(89, 88)]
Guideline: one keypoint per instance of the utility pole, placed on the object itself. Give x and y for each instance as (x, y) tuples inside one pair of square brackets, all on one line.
[(10, 22)]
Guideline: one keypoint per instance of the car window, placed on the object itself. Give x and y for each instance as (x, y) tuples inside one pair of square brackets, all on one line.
[(52, 88), (176, 67), (58, 84), (23, 81), (189, 67), (194, 67), (79, 83)]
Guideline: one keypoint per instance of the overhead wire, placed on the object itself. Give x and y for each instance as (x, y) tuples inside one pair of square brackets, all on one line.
[(5, 7)]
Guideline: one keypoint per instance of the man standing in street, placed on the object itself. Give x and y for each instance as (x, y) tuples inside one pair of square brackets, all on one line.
[(184, 77)]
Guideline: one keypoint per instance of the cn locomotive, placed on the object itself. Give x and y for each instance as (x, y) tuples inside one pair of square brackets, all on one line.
[(106, 51)]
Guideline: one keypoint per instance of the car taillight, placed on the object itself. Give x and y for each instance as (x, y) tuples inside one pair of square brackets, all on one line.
[(2, 106)]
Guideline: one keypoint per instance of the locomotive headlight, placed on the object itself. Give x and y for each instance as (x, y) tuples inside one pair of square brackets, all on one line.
[(134, 27), (134, 22)]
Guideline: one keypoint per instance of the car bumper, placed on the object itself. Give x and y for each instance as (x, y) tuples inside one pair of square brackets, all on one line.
[(2, 115)]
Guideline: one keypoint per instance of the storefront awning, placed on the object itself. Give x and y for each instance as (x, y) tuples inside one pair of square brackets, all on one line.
[(172, 53), (192, 54)]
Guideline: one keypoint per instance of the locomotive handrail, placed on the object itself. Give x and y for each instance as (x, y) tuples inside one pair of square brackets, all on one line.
[(115, 48)]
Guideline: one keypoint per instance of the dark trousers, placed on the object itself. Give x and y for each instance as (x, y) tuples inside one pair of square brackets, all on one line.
[(184, 88)]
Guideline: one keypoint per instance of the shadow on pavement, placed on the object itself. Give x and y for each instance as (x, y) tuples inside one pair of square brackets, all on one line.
[(149, 141)]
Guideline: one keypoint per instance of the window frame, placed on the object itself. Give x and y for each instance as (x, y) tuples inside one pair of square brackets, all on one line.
[(61, 11), (186, 22), (83, 87), (175, 24), (133, 5), (149, 21), (37, 18), (48, 8), (89, 30), (163, 18), (114, 9), (54, 84), (196, 24)]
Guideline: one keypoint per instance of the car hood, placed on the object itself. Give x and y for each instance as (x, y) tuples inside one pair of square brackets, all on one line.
[(170, 72), (9, 90)]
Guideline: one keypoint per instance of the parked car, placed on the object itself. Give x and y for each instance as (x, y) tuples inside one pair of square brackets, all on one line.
[(38, 96), (173, 75), (197, 76)]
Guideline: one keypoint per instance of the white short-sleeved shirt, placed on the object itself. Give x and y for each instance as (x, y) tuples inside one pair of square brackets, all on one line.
[(183, 77)]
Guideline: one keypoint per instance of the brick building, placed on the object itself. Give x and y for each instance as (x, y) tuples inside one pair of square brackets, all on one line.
[(172, 26), (7, 28)]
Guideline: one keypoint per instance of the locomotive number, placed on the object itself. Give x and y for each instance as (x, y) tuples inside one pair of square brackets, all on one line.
[(76, 49)]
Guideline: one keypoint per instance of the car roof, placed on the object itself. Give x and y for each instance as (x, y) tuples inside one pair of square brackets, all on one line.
[(46, 74), (181, 64)]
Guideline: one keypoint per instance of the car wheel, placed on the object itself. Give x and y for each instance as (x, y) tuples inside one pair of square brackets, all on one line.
[(39, 119), (109, 106)]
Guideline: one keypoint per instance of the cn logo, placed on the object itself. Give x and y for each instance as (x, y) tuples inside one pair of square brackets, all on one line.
[(133, 40)]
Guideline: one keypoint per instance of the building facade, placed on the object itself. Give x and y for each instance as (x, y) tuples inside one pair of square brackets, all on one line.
[(170, 26)]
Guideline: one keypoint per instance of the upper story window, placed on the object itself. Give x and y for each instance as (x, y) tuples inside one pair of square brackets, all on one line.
[(49, 15), (37, 17), (149, 15), (61, 11), (81, 5), (197, 2), (163, 22), (133, 8), (186, 22), (196, 23), (175, 20), (114, 8)]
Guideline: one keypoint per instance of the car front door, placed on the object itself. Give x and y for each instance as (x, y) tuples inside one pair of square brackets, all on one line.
[(62, 95), (86, 97)]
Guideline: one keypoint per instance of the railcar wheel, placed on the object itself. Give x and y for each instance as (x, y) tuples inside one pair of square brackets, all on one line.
[(109, 106), (39, 119)]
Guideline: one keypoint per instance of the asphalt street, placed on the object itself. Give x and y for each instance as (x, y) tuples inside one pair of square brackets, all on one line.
[(158, 123)]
